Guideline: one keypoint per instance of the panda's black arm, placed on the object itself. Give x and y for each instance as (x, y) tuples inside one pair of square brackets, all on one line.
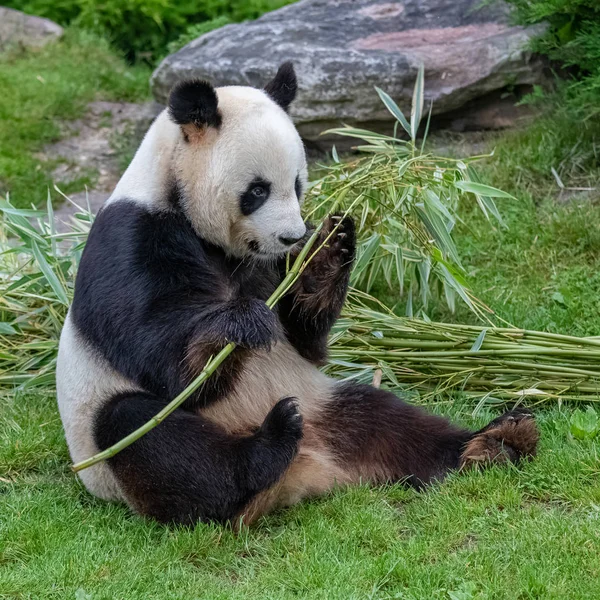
[(307, 333), (156, 302), (315, 302)]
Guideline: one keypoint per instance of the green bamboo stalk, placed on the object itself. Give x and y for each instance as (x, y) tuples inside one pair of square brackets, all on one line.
[(288, 281), (157, 419)]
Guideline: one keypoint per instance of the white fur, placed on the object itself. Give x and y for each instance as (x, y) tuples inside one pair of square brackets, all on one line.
[(84, 381), (266, 378), (147, 177)]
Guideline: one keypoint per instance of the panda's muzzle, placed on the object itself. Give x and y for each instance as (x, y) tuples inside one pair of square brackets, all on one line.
[(289, 240)]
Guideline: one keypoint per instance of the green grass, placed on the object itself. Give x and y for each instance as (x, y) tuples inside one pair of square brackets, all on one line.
[(530, 532), (542, 272), (42, 90)]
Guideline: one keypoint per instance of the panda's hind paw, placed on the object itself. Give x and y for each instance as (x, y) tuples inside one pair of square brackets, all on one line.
[(511, 437), (274, 445)]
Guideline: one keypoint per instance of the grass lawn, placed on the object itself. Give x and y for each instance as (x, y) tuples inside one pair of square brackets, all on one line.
[(42, 89), (531, 532), (519, 533), (527, 532)]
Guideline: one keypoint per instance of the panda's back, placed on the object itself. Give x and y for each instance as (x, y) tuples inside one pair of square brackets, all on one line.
[(84, 382)]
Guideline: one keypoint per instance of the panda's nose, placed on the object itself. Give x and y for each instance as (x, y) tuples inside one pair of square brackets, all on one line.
[(288, 241)]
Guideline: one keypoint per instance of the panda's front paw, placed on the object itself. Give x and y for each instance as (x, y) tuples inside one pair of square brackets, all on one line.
[(250, 323), (326, 275), (341, 246), (336, 249)]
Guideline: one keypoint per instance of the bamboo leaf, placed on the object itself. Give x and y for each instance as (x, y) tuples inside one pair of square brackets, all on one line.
[(478, 341), (437, 229), (394, 110), (450, 296), (417, 103), (7, 329), (482, 189), (427, 127), (387, 263), (365, 254), (424, 269), (373, 271), (400, 268), (49, 274), (334, 154)]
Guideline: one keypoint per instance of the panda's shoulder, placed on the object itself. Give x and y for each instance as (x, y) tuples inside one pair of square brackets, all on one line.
[(128, 229)]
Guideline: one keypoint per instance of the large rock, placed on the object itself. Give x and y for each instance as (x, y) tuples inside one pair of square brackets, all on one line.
[(26, 31), (343, 48)]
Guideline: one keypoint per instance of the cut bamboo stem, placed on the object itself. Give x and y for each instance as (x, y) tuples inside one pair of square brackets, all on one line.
[(288, 281)]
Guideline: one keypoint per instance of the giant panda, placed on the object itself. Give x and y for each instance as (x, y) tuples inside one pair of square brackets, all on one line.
[(180, 261)]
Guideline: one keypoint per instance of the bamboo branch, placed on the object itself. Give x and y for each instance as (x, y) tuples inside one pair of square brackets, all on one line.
[(288, 281)]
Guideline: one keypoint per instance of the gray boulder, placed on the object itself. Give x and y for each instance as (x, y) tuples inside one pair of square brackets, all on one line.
[(25, 31), (343, 48)]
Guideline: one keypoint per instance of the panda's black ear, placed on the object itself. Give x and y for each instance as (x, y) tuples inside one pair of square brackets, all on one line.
[(193, 104), (283, 87)]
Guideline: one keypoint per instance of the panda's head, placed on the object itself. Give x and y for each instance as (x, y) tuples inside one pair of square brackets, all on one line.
[(240, 164)]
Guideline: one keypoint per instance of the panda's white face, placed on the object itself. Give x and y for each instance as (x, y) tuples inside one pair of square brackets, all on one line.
[(243, 178)]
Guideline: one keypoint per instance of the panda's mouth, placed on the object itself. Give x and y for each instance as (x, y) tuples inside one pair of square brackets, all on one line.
[(258, 251)]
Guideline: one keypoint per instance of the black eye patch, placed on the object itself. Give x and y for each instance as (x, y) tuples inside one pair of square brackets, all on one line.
[(255, 196), (298, 187)]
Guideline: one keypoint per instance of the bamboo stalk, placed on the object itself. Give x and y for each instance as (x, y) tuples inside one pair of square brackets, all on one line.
[(440, 357), (206, 372), (288, 281)]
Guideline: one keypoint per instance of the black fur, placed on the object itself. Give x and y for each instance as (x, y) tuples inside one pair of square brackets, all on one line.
[(309, 312), (376, 433), (284, 86), (188, 469), (298, 187), (194, 102), (250, 200)]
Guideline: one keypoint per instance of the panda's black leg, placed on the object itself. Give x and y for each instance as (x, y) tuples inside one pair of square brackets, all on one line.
[(378, 437), (313, 305), (187, 469)]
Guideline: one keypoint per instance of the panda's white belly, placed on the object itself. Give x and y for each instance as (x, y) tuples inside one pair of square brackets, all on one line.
[(83, 382), (266, 378)]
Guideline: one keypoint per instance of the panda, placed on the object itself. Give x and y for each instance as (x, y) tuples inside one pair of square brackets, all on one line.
[(180, 261)]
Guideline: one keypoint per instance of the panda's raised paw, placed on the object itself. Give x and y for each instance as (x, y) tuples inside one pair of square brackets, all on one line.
[(322, 286), (341, 245), (336, 248)]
